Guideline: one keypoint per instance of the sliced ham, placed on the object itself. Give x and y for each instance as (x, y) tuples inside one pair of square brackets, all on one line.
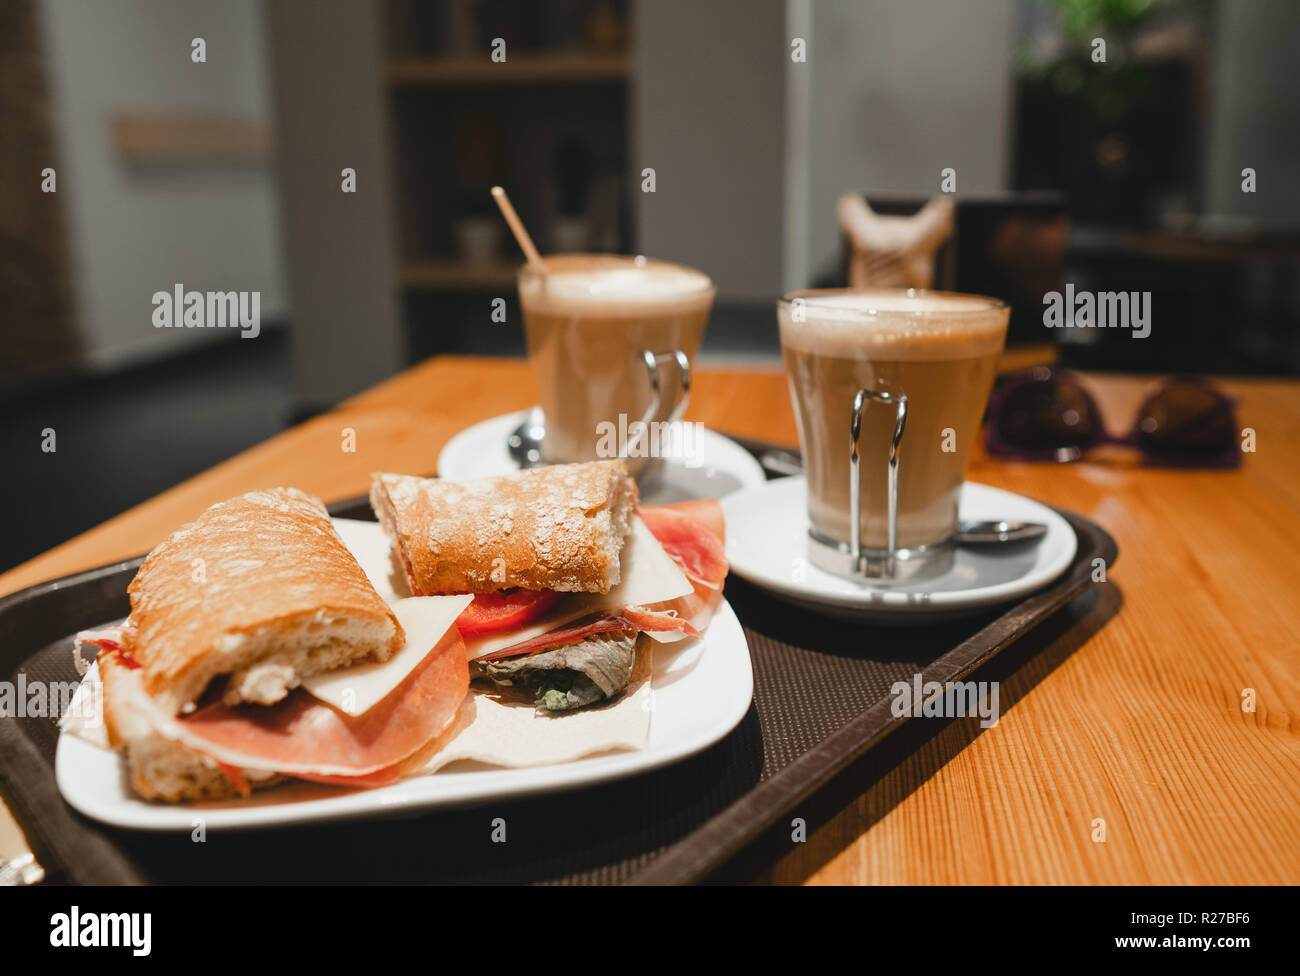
[(380, 777), (627, 619), (696, 609), (655, 621), (692, 533), (110, 640), (303, 737), (236, 778), (706, 511)]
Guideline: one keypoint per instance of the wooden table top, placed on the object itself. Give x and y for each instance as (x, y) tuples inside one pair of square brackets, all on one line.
[(1132, 715)]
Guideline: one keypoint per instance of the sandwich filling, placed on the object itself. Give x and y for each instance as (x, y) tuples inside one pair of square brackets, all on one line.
[(354, 726), (583, 650), (560, 679)]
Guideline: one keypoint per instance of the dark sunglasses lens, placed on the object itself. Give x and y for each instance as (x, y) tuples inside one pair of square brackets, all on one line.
[(1187, 420), (1046, 415)]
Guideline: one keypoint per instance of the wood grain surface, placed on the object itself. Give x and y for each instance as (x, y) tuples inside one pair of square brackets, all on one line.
[(1129, 710)]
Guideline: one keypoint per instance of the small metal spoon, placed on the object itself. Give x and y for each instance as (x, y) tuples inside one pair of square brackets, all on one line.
[(998, 531), (525, 441)]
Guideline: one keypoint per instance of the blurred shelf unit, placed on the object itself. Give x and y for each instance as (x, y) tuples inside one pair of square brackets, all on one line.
[(550, 123), (557, 67), (450, 274), (146, 138)]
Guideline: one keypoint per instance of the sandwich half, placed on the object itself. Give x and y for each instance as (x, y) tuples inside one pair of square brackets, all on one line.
[(258, 650), (259, 590), (567, 573)]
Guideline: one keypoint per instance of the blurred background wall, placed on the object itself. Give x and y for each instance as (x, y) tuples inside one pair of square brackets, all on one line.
[(709, 110), (331, 117), (897, 92), (141, 221), (1254, 111)]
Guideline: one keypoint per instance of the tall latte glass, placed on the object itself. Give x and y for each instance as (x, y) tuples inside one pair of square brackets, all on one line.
[(921, 360), (591, 322)]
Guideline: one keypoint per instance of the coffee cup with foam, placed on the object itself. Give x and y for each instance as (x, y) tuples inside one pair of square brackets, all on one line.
[(611, 340), (888, 388)]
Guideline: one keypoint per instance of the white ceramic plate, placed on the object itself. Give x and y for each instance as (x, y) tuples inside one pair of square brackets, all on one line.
[(720, 468), (767, 544)]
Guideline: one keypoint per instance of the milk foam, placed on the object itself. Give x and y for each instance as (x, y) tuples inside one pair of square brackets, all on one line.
[(613, 286), (895, 326)]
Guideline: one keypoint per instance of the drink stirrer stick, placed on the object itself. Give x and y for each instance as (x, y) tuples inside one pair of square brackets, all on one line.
[(517, 228)]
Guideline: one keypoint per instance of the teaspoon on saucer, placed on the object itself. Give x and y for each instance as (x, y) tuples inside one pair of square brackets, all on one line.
[(998, 531)]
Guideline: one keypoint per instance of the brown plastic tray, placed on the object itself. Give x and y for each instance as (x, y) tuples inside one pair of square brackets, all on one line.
[(820, 704)]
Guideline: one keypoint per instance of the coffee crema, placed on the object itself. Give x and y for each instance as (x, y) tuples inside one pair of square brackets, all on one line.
[(587, 322), (940, 350)]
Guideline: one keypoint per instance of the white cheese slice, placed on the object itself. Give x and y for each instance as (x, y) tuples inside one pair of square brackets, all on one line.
[(648, 575), (84, 716), (359, 687)]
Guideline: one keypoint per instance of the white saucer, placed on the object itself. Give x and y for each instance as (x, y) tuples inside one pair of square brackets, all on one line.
[(767, 544), (720, 467)]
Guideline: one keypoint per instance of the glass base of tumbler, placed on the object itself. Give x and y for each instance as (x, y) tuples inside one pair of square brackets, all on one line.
[(874, 565)]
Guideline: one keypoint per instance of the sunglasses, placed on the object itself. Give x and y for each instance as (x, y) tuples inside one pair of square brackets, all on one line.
[(1045, 414)]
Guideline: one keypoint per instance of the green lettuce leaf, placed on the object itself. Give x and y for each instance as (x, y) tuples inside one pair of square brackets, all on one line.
[(574, 676)]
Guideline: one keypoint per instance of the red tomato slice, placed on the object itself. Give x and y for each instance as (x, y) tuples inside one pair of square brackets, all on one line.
[(504, 610)]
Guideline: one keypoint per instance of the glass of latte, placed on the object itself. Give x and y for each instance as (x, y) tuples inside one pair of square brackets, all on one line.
[(611, 340), (888, 389)]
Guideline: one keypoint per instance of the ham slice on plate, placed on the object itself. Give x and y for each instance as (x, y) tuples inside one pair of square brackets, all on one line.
[(303, 737), (629, 618), (110, 640), (692, 533)]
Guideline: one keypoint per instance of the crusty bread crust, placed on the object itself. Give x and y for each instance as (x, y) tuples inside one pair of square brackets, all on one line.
[(553, 528), (157, 767), (259, 587)]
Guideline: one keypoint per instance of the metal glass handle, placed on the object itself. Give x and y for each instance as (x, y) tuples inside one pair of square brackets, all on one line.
[(855, 477), (652, 361)]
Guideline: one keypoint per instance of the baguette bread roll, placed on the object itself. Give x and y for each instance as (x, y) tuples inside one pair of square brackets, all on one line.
[(553, 528), (160, 768), (259, 588)]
